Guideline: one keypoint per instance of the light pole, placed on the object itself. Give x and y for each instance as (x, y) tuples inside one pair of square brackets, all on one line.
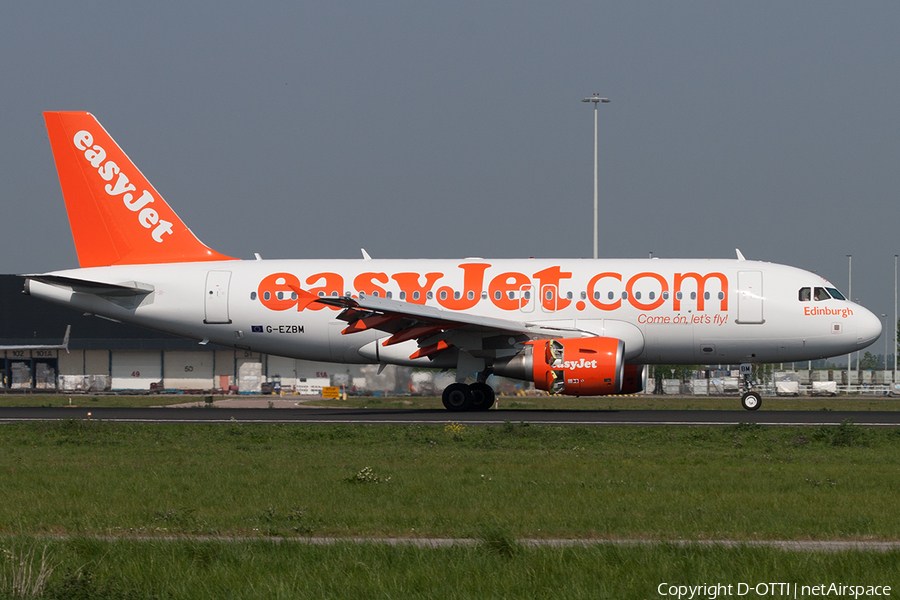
[(894, 324), (850, 298), (884, 320), (596, 99)]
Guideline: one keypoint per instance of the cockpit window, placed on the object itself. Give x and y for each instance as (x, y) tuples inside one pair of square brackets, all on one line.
[(821, 294), (835, 294), (804, 294)]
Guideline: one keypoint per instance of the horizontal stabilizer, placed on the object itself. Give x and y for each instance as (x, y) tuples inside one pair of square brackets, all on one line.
[(97, 288), (63, 346)]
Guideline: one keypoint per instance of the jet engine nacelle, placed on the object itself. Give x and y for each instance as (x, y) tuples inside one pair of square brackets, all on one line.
[(591, 366), (635, 379)]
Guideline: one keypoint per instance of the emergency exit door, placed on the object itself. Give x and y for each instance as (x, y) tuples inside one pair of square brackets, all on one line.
[(217, 297), (750, 297)]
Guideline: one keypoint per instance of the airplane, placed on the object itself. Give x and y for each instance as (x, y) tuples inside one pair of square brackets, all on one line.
[(579, 327)]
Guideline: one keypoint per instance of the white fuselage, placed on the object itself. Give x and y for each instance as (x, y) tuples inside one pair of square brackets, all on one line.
[(665, 310)]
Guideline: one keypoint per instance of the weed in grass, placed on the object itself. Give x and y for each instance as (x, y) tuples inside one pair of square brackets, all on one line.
[(367, 475), (454, 429), (847, 434), (24, 574)]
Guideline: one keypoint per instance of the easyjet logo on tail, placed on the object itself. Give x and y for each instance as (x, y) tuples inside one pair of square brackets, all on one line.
[(119, 185)]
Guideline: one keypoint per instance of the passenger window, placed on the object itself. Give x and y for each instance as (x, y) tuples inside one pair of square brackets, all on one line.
[(388, 295), (804, 294), (253, 295), (821, 294), (403, 295)]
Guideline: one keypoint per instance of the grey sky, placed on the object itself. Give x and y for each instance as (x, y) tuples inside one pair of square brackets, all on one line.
[(308, 130)]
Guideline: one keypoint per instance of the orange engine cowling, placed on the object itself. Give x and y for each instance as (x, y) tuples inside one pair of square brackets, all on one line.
[(579, 366)]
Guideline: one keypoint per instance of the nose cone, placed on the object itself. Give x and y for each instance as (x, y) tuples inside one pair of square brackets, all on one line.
[(868, 327)]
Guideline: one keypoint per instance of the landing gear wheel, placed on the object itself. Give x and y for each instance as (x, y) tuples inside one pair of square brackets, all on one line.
[(482, 396), (457, 397), (751, 400)]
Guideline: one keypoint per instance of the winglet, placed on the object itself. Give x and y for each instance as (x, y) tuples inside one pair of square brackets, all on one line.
[(116, 216)]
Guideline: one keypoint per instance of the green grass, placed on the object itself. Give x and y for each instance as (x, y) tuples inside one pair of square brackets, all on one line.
[(742, 482), (89, 568), (150, 490)]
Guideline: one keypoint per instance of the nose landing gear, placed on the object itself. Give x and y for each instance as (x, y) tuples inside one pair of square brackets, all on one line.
[(750, 400)]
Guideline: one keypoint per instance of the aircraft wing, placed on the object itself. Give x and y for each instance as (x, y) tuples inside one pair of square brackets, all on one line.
[(434, 329)]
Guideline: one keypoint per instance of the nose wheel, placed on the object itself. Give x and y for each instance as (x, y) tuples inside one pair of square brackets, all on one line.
[(751, 400)]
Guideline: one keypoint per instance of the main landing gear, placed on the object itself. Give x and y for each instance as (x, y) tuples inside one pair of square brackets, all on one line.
[(475, 396)]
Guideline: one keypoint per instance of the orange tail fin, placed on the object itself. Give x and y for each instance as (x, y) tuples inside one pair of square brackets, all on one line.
[(116, 216)]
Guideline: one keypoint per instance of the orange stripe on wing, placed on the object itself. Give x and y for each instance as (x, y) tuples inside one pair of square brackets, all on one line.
[(370, 323), (429, 350), (412, 333)]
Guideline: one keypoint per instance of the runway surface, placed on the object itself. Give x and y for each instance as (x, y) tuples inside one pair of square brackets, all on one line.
[(434, 416)]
